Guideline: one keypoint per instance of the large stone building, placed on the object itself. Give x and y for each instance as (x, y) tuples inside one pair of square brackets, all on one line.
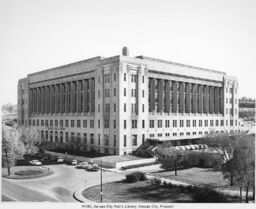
[(112, 105)]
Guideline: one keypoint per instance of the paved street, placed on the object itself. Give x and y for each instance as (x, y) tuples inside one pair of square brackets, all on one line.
[(54, 188)]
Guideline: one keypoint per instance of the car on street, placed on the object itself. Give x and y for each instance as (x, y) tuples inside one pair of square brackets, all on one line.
[(82, 165), (74, 162), (35, 162), (60, 160), (93, 167)]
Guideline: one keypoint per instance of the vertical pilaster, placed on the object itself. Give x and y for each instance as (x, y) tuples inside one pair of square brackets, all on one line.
[(160, 95), (30, 101), (206, 101), (152, 95), (201, 98), (211, 99), (194, 100), (175, 98), (73, 108), (167, 96), (187, 98), (216, 100), (182, 97), (85, 102)]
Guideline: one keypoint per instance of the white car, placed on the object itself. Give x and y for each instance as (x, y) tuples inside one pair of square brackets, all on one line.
[(74, 162), (35, 162), (83, 165), (60, 160)]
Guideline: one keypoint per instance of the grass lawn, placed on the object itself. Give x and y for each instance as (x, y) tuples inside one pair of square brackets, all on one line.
[(142, 191), (25, 172), (198, 176)]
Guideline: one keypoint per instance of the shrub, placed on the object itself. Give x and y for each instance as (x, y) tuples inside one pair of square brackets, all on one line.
[(190, 188), (135, 176), (182, 187), (165, 184), (209, 195), (156, 181), (170, 185)]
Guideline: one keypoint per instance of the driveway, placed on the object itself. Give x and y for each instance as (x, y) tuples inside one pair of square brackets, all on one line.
[(58, 187)]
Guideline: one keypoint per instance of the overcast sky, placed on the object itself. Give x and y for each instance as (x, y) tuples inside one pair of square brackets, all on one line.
[(40, 34)]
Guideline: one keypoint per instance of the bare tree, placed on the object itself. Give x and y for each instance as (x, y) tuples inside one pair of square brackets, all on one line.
[(12, 147), (8, 108), (31, 140)]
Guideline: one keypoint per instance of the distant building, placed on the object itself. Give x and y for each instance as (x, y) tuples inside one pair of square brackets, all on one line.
[(246, 104), (112, 105)]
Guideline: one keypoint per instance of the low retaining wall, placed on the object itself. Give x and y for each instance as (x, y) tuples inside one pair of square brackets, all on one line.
[(106, 164)]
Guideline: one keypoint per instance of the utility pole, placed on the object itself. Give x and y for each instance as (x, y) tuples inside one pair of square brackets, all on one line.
[(101, 194)]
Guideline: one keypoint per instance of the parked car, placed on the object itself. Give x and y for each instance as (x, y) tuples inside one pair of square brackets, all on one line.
[(35, 162), (82, 165), (93, 167), (74, 162), (60, 160)]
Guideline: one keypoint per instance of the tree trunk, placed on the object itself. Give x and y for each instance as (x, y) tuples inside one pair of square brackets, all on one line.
[(231, 180), (247, 193), (253, 192), (241, 194), (9, 170), (175, 167)]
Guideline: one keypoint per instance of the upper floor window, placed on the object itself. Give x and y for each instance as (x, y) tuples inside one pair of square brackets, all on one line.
[(124, 76), (142, 79), (114, 77), (133, 78), (106, 78)]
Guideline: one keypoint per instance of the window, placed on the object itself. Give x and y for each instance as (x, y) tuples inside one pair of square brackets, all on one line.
[(222, 122), (106, 123), (98, 79), (151, 135), (174, 123), (216, 123), (78, 123), (72, 123), (107, 108), (61, 123), (98, 107), (98, 123), (124, 140), (106, 78), (142, 79), (151, 123), (46, 122), (134, 123), (188, 123), (211, 122), (114, 92), (91, 138), (124, 124), (231, 122), (230, 101), (143, 107), (205, 123), (143, 138), (37, 122), (174, 134), (107, 92), (124, 76), (98, 93), (114, 107), (133, 92), (159, 135), (181, 134), (124, 91), (85, 138), (114, 123), (143, 93), (114, 140), (124, 107), (159, 123), (187, 133), (167, 123), (85, 123), (143, 123), (98, 139), (181, 123), (134, 140), (91, 123), (200, 123), (194, 133), (134, 78), (66, 123), (114, 77)]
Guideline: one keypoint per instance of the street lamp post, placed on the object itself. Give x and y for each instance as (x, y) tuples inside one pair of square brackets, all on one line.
[(101, 193)]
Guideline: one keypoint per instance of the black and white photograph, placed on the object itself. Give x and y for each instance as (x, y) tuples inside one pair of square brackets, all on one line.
[(127, 104)]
